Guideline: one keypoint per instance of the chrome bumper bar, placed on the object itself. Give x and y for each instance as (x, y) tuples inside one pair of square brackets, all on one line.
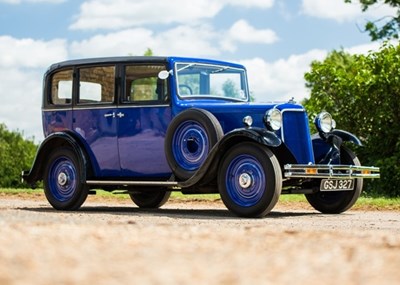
[(330, 171)]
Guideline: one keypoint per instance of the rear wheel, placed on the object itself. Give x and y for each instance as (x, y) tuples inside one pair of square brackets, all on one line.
[(150, 199), (63, 184), (338, 201), (250, 180)]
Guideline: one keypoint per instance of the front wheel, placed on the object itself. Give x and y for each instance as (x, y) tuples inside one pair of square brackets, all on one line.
[(340, 201), (250, 180), (63, 184)]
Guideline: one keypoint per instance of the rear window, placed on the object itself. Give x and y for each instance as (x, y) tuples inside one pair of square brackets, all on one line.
[(61, 88)]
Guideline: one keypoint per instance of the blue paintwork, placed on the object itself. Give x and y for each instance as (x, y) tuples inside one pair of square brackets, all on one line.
[(141, 135), (245, 164), (230, 116), (62, 192), (133, 145)]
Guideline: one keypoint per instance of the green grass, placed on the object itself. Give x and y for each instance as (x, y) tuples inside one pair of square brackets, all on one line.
[(363, 203)]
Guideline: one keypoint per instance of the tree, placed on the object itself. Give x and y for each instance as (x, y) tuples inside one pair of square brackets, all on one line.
[(16, 154), (362, 92), (230, 89), (385, 28)]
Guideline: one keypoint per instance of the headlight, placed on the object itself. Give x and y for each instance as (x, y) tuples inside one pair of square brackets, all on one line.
[(324, 122), (273, 119)]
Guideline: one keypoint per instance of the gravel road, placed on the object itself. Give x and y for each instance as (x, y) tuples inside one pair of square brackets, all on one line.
[(109, 241)]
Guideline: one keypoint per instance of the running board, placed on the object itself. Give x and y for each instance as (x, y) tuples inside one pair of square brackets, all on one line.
[(132, 183)]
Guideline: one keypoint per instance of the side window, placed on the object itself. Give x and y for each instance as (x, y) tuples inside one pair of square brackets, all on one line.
[(143, 85), (61, 88), (96, 85)]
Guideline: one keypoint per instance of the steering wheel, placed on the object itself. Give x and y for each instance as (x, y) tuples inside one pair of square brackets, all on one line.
[(187, 87)]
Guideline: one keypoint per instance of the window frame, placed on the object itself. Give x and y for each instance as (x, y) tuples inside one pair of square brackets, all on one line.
[(125, 88), (77, 87)]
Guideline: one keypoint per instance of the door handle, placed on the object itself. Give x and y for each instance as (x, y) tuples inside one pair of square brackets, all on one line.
[(109, 115)]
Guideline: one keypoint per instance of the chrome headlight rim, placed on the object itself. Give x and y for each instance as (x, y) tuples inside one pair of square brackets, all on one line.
[(273, 119), (324, 122)]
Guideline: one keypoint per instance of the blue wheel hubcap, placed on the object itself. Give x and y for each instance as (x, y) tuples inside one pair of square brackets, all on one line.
[(190, 145), (62, 179), (245, 180)]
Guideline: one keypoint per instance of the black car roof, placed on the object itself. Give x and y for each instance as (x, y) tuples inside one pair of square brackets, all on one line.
[(105, 60)]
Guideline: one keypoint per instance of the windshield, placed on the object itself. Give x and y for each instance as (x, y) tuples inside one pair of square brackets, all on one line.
[(211, 81)]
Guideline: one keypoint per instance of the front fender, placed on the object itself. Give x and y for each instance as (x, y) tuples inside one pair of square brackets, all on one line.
[(259, 135), (46, 147), (208, 170), (348, 137), (322, 147)]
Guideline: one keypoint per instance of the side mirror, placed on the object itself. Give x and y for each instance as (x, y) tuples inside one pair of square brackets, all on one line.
[(163, 74)]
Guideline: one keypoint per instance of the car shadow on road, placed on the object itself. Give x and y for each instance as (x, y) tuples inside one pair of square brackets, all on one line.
[(175, 213)]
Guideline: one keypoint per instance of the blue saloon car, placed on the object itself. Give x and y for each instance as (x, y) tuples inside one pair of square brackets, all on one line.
[(147, 126)]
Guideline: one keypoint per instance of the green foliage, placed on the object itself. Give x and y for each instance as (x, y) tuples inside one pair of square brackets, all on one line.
[(385, 28), (230, 89), (148, 52), (362, 92), (16, 154)]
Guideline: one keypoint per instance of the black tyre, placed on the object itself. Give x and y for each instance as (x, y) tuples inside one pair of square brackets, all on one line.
[(338, 201), (250, 180), (150, 199), (63, 185), (189, 139)]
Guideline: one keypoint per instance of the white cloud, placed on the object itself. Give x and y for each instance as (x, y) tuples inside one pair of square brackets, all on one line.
[(122, 14), (283, 79), (21, 100), (30, 53), (264, 4), (181, 40), (119, 14), (32, 1), (363, 49), (242, 31), (22, 64), (340, 11)]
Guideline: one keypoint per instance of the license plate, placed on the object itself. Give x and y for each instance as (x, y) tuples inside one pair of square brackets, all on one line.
[(337, 184)]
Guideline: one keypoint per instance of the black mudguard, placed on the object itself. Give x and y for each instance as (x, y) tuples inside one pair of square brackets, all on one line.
[(326, 147), (46, 147), (208, 171)]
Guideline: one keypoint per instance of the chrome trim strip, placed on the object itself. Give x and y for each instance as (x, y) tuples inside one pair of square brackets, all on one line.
[(330, 171), (128, 106), (104, 107), (57, 109), (132, 183)]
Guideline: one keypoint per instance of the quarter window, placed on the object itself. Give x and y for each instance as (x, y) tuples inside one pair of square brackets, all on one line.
[(143, 84), (96, 85), (61, 88)]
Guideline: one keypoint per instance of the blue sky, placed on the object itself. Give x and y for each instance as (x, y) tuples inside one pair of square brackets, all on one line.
[(275, 39)]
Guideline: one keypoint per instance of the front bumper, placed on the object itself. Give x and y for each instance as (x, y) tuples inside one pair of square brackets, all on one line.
[(330, 171)]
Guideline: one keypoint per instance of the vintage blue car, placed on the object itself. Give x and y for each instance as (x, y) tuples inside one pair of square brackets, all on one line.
[(151, 125)]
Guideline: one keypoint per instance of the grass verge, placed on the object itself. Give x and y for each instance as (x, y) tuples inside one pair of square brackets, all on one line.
[(363, 203)]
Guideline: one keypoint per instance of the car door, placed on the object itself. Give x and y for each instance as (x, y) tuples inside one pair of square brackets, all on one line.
[(95, 119), (143, 115)]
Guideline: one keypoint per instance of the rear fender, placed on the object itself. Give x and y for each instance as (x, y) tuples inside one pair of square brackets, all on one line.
[(52, 142)]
